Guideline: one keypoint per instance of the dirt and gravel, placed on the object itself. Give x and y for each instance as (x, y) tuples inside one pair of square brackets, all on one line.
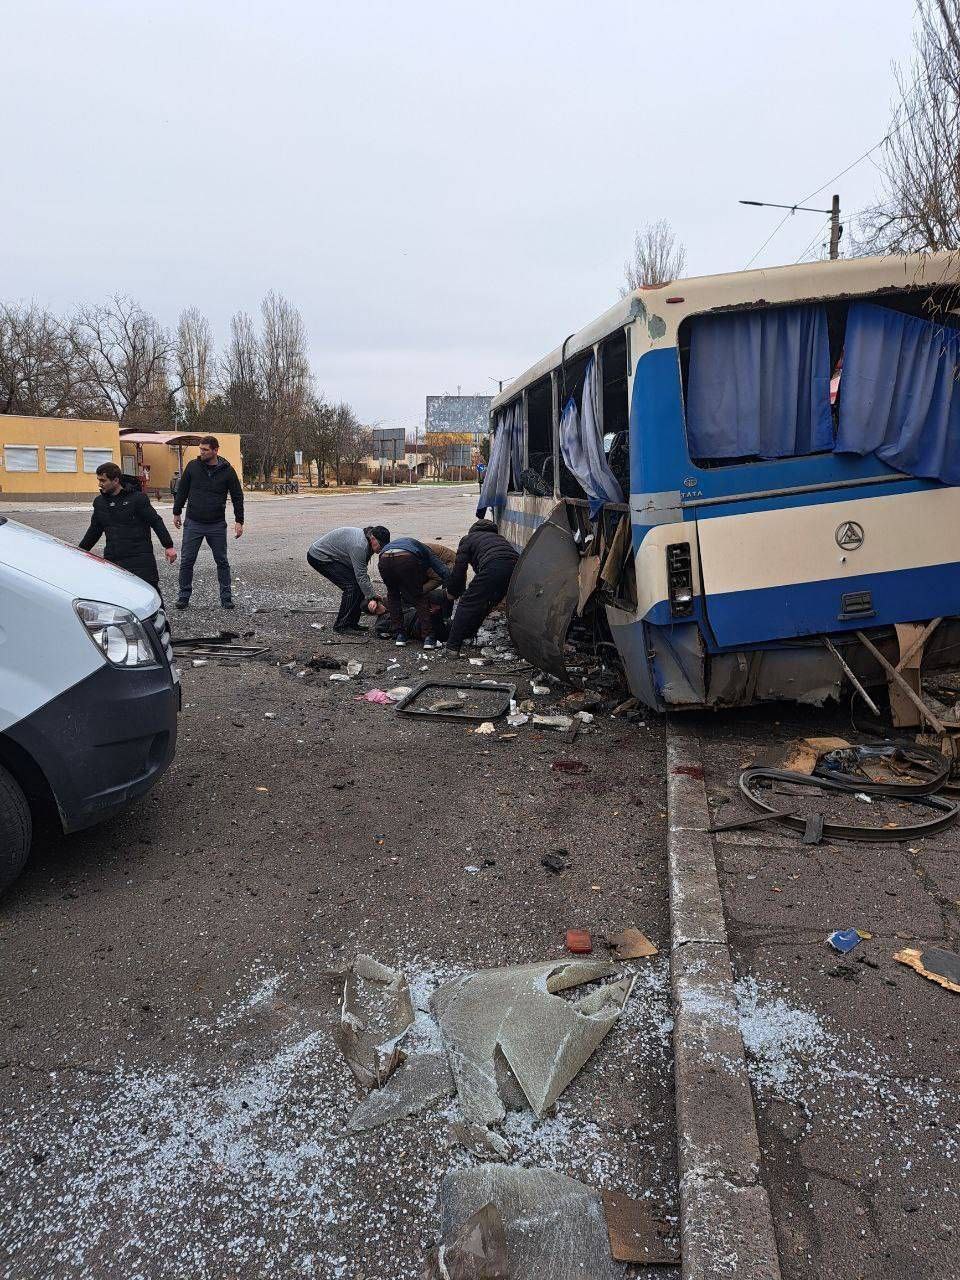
[(172, 1102)]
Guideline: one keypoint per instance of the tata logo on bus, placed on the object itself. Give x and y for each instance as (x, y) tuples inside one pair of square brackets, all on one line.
[(849, 535)]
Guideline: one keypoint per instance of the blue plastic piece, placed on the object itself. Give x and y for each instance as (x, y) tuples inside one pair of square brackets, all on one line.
[(843, 940)]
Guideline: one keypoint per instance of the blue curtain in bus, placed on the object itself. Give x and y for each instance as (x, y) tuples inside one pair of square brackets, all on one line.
[(759, 384), (899, 394), (516, 445), (496, 482), (581, 446)]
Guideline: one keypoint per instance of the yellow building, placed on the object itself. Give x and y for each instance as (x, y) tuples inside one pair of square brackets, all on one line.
[(50, 458), (164, 454), (53, 457)]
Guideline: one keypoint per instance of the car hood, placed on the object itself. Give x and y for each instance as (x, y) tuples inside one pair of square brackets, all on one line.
[(75, 573)]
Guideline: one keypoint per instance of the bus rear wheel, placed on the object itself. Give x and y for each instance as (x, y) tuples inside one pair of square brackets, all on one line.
[(16, 829)]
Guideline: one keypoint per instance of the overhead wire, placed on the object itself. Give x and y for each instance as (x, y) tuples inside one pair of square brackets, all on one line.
[(891, 132)]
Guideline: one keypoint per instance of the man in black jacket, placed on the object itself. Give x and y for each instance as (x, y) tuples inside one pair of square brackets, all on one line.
[(492, 559), (204, 486), (126, 516)]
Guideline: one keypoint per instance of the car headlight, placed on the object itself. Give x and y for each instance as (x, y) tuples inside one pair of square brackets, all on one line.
[(117, 633)]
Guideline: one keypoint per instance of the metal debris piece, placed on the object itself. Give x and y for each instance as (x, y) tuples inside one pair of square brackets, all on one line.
[(579, 942), (354, 668), (484, 1143), (813, 830), (942, 967), (375, 1012), (477, 1250), (414, 1086), (750, 820), (554, 1226), (556, 861), (545, 1040), (631, 944), (635, 1235)]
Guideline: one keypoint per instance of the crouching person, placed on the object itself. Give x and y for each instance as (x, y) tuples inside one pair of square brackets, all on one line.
[(492, 559), (342, 556), (406, 566)]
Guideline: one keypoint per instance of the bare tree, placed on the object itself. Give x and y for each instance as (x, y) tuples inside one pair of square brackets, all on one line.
[(241, 388), (658, 257), (194, 361), (920, 158), (316, 436), (39, 372), (285, 375), (122, 351)]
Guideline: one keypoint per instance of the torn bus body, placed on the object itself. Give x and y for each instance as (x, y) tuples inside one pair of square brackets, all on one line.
[(789, 514)]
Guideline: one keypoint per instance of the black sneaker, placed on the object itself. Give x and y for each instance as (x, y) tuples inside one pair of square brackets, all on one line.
[(181, 604)]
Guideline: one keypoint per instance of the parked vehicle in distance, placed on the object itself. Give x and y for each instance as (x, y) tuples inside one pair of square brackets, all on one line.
[(731, 478), (89, 693)]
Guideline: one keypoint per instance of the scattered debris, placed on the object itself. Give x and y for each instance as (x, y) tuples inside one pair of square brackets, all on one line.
[(635, 1235), (630, 704), (378, 696), (199, 662), (445, 704), (579, 942), (554, 1226), (354, 668), (269, 715), (476, 662), (515, 721), (753, 820), (481, 1141), (813, 830), (320, 663), (398, 693), (486, 727), (942, 967), (414, 1086), (555, 861), (803, 755), (375, 1012), (477, 1250), (538, 690), (553, 722), (585, 717), (515, 1012), (844, 940), (631, 944), (339, 676)]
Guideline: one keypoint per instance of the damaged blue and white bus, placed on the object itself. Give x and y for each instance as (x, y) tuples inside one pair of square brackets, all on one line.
[(746, 483)]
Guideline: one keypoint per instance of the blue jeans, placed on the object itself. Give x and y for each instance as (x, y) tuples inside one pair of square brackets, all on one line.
[(216, 536)]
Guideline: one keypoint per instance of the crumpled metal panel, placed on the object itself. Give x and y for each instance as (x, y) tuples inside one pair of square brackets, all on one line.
[(543, 595)]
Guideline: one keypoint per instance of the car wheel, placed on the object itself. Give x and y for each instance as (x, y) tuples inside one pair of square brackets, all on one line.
[(16, 829)]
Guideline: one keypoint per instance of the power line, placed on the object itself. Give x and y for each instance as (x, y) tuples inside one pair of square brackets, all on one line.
[(816, 237), (830, 181)]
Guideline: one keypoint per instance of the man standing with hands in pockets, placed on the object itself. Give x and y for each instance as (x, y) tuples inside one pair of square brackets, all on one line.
[(203, 487)]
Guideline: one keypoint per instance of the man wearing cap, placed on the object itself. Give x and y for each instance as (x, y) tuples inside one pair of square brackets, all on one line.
[(342, 556)]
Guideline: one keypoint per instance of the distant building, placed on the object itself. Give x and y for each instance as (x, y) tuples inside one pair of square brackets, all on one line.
[(460, 414)]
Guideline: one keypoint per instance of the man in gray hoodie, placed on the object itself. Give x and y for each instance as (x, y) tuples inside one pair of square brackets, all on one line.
[(342, 556)]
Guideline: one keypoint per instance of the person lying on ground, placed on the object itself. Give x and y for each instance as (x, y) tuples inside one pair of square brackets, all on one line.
[(126, 515), (441, 609), (342, 556), (492, 559), (405, 564)]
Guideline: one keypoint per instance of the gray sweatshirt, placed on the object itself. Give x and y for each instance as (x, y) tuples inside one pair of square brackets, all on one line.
[(350, 547)]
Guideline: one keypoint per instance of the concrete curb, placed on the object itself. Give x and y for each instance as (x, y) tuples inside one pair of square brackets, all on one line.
[(726, 1225)]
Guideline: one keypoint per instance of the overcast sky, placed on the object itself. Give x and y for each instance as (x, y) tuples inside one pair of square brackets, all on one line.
[(445, 191)]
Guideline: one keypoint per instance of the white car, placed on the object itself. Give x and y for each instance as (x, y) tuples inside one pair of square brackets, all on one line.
[(89, 693)]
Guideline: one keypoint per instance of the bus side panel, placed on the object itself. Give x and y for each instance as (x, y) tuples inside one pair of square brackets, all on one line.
[(522, 516)]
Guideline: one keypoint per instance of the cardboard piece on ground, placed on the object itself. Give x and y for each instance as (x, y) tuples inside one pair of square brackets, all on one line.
[(942, 967), (635, 1235), (804, 753), (631, 944)]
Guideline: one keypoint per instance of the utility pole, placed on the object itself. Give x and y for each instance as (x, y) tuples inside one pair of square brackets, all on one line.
[(836, 230)]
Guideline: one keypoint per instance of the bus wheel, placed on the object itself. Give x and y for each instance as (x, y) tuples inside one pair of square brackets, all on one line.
[(16, 829)]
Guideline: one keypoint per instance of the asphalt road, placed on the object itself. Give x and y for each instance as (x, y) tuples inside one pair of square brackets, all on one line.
[(172, 1103)]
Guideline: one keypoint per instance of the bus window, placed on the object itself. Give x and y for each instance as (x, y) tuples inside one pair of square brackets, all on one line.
[(616, 411), (540, 436)]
